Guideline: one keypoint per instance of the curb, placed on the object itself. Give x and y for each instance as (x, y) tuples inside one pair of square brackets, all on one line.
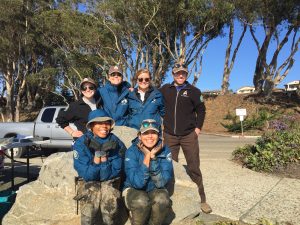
[(228, 135)]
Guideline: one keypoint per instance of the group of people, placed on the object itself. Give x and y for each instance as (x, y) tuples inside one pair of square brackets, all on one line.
[(141, 172)]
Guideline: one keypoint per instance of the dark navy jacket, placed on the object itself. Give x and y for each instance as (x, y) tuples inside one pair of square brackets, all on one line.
[(140, 177), (76, 113), (152, 108), (84, 159), (115, 101)]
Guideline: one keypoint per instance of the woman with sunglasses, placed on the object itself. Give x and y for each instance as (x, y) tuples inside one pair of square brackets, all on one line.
[(148, 169), (114, 95), (145, 101), (78, 111)]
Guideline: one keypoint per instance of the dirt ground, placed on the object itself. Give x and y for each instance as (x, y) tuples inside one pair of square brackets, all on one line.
[(218, 107)]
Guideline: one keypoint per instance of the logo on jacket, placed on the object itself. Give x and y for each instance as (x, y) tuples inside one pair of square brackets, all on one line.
[(169, 157), (124, 101), (153, 101), (201, 98), (75, 154), (185, 94)]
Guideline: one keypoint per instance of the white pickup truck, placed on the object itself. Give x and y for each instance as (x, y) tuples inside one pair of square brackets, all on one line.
[(44, 126)]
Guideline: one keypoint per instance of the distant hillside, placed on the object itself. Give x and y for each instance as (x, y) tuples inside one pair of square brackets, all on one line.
[(218, 107)]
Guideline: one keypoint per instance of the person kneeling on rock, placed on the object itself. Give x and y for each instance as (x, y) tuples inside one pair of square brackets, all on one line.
[(148, 169), (98, 159)]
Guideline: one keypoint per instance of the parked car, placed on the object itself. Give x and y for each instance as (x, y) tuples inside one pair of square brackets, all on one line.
[(44, 126)]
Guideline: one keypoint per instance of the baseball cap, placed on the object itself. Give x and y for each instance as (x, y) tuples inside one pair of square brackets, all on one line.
[(179, 67), (87, 80), (115, 69), (99, 115), (149, 124)]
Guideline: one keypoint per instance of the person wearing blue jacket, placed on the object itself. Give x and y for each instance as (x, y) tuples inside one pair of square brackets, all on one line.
[(114, 95), (148, 169), (98, 160), (145, 101)]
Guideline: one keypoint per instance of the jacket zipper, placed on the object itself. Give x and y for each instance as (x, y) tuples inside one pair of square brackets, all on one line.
[(175, 112)]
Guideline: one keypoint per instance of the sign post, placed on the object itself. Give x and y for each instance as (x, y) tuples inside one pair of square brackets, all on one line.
[(241, 113)]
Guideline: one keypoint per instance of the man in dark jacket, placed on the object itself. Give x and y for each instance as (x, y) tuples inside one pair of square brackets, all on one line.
[(183, 120)]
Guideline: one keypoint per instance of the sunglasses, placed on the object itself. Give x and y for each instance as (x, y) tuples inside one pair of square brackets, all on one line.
[(150, 123), (88, 87), (115, 74), (143, 79), (178, 65)]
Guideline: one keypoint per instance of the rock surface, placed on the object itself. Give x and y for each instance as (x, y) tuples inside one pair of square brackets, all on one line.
[(49, 200)]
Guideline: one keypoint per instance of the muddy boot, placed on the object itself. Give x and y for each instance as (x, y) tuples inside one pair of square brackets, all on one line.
[(205, 208)]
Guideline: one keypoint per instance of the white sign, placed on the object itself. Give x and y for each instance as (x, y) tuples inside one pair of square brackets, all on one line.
[(241, 118), (241, 112)]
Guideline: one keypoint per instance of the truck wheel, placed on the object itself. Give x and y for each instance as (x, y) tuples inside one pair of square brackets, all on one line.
[(18, 152)]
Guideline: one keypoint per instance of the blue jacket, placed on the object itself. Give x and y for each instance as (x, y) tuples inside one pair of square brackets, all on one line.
[(152, 108), (84, 159), (140, 177), (115, 101)]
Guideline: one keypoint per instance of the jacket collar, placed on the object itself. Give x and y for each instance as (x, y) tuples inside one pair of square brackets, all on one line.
[(187, 85)]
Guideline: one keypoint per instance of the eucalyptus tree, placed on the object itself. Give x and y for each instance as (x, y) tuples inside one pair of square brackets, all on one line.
[(230, 55), (155, 34), (280, 21), (75, 38), (19, 50), (136, 40)]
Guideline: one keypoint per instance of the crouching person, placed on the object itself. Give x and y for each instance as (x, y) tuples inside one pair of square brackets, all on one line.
[(148, 168), (98, 158)]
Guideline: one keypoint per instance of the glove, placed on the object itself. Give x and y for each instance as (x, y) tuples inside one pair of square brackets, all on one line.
[(100, 149)]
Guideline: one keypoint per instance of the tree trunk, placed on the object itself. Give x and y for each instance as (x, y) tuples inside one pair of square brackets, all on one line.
[(10, 102), (261, 62), (225, 81), (30, 99), (228, 65), (268, 87)]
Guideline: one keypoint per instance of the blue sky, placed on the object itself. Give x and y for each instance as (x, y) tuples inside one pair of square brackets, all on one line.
[(243, 70)]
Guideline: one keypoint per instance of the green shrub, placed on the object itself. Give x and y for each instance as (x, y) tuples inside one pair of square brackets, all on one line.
[(271, 151), (256, 121)]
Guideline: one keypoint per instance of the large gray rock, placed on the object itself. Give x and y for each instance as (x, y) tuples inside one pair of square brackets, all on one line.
[(49, 199)]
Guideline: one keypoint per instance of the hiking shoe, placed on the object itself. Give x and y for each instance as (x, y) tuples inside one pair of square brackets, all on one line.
[(205, 208)]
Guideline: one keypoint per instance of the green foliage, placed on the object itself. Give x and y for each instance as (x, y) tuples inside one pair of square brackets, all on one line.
[(256, 121), (273, 150)]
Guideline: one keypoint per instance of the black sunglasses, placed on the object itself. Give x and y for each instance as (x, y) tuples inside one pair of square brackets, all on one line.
[(143, 79), (88, 87), (178, 65)]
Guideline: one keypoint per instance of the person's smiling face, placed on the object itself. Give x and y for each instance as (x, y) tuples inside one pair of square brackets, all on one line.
[(180, 77), (115, 79), (101, 129), (149, 138)]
